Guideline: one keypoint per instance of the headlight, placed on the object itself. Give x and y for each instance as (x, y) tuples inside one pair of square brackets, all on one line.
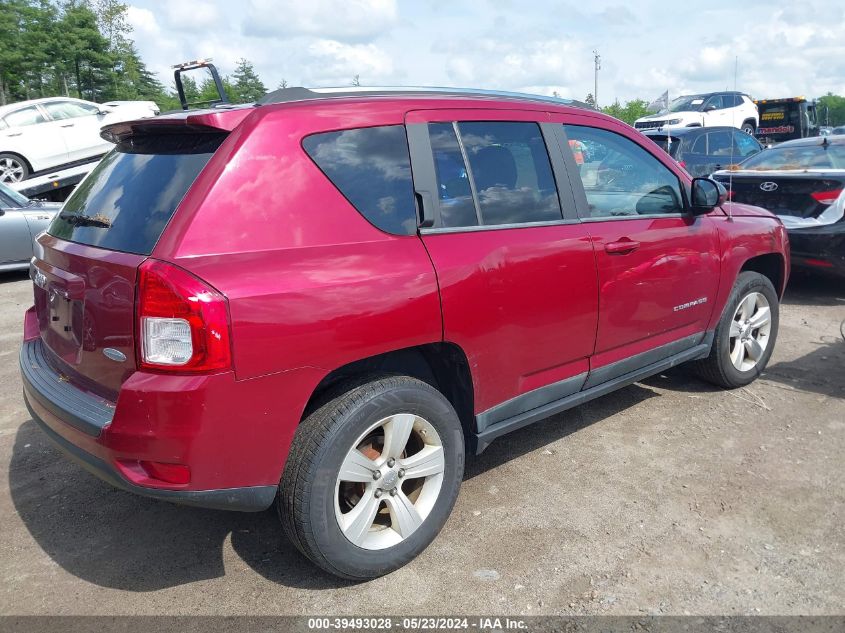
[(673, 121)]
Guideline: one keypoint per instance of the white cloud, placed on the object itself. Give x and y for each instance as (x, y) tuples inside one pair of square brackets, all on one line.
[(782, 48), (335, 63), (332, 19), (192, 17)]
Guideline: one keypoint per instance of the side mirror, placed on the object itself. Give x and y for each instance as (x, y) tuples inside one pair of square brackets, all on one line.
[(104, 110), (707, 194), (709, 108)]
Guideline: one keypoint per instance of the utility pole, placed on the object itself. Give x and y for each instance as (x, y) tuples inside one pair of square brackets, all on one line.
[(597, 64)]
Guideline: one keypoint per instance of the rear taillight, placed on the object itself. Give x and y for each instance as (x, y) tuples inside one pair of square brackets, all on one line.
[(826, 197), (183, 323)]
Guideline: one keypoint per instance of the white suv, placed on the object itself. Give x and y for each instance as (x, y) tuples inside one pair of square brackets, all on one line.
[(47, 133), (733, 109)]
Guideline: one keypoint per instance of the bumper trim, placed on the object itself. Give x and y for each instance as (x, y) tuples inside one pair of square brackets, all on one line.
[(246, 499), (83, 411)]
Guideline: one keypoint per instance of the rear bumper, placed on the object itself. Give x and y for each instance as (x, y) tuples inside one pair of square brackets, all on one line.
[(247, 499), (233, 436), (819, 248)]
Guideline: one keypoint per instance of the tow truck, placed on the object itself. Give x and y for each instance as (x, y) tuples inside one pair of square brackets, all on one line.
[(786, 119)]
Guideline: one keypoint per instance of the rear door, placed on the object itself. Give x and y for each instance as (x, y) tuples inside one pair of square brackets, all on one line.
[(515, 267), (658, 267), (86, 264)]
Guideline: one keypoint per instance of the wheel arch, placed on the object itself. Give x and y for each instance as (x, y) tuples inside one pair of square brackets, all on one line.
[(443, 365), (751, 121), (770, 265)]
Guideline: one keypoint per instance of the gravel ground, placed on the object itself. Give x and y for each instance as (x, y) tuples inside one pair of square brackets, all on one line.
[(667, 497)]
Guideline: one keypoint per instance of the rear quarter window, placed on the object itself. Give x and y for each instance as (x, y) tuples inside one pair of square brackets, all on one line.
[(130, 196), (372, 168)]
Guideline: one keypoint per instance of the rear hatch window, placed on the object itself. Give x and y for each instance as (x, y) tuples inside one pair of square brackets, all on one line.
[(127, 200)]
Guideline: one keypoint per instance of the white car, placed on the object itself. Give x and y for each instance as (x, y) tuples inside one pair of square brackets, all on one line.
[(43, 134), (734, 109)]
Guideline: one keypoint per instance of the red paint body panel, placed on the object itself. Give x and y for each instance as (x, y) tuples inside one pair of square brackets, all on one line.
[(311, 286), (520, 302), (677, 262)]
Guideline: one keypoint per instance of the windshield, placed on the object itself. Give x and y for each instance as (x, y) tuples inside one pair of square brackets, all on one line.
[(801, 157), (127, 200), (686, 104), (17, 198)]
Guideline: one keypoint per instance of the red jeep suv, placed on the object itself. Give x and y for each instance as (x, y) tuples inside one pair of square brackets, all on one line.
[(326, 299)]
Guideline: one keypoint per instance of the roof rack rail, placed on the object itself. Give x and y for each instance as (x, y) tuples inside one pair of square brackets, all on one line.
[(285, 95)]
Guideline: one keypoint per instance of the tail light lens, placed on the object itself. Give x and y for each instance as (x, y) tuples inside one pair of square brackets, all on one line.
[(183, 323), (826, 197)]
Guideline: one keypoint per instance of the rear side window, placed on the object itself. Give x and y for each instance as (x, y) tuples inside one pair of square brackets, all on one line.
[(372, 168), (509, 173), (127, 200)]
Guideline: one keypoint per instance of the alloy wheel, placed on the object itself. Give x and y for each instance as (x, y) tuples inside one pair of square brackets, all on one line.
[(11, 170), (389, 481), (750, 331)]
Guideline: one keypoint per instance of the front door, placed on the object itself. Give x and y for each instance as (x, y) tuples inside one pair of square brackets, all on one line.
[(658, 266), (515, 267)]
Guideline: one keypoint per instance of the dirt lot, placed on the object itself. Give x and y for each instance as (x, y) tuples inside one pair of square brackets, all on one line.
[(666, 497)]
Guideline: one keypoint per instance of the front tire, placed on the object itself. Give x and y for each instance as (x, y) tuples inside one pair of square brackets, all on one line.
[(372, 476), (746, 334)]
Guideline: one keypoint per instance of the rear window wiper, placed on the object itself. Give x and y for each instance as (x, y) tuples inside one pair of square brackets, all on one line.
[(80, 219)]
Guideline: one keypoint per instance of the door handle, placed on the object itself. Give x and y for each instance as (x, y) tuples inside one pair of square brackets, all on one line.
[(15, 134), (68, 125), (622, 247)]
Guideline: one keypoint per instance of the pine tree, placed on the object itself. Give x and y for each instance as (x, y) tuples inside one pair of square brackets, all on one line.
[(247, 86)]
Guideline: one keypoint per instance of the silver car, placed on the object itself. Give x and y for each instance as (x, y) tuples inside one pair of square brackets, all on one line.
[(21, 219)]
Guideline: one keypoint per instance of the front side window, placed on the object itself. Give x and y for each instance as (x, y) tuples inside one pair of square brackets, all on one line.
[(720, 143), (59, 110), (627, 180), (745, 144), (509, 169), (24, 117), (715, 101), (372, 168)]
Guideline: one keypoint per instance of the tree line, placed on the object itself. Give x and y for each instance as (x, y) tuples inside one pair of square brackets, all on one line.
[(84, 49)]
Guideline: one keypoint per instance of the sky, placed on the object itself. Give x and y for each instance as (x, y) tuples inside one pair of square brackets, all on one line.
[(768, 49)]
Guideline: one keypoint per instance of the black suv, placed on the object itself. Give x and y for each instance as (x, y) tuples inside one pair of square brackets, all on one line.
[(703, 150)]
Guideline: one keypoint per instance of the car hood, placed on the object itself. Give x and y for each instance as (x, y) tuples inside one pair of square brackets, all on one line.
[(662, 116)]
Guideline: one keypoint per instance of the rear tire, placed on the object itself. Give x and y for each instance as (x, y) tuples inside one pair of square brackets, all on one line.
[(745, 336), (372, 476), (748, 128), (13, 168)]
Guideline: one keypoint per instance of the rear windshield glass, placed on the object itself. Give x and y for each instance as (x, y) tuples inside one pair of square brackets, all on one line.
[(798, 157), (127, 200)]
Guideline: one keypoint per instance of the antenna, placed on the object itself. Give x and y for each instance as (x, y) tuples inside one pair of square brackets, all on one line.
[(730, 167), (597, 68)]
